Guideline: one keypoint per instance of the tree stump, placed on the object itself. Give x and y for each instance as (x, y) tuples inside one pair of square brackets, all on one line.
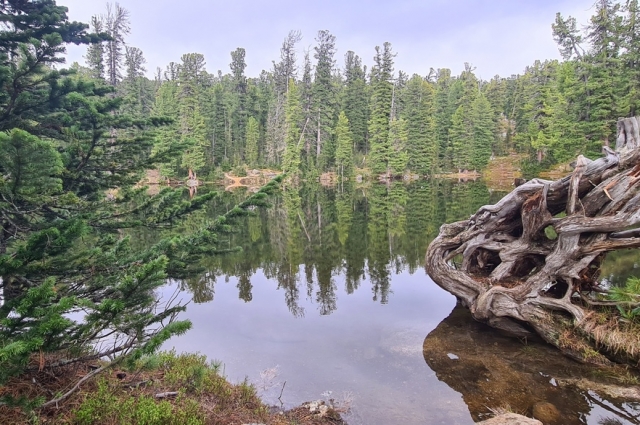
[(531, 261)]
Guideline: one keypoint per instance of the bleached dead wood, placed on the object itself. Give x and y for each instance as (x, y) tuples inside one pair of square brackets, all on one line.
[(506, 268)]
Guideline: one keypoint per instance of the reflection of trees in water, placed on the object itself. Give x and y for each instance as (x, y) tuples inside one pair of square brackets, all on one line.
[(202, 288), (323, 233), (621, 265), (379, 247), (493, 371), (289, 233)]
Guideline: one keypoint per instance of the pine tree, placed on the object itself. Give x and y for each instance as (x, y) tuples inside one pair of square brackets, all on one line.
[(567, 35)]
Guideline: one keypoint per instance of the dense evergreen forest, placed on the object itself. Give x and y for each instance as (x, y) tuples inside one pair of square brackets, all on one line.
[(312, 115)]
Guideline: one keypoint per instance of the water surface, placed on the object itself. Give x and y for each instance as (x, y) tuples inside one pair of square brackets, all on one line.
[(329, 292)]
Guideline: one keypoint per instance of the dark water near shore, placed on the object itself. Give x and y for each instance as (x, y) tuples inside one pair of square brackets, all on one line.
[(329, 295)]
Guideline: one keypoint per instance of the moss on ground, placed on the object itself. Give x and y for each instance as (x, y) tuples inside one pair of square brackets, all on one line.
[(163, 389)]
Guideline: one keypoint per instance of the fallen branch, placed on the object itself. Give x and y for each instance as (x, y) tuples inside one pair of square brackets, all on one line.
[(169, 394), (64, 396)]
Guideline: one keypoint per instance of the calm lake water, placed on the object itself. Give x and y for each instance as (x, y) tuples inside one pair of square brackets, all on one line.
[(329, 299)]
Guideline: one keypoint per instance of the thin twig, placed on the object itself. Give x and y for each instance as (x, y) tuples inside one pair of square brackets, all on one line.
[(281, 391)]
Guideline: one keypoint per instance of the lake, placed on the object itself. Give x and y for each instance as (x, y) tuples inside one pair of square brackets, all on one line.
[(329, 300)]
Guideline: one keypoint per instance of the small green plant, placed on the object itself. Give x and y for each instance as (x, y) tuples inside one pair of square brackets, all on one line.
[(189, 371), (110, 405), (151, 362), (629, 297), (247, 391)]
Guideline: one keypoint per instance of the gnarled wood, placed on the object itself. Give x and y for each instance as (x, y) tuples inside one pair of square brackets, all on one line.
[(502, 264)]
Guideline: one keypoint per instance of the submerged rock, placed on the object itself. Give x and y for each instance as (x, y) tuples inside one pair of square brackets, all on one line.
[(510, 419), (546, 412), (494, 372)]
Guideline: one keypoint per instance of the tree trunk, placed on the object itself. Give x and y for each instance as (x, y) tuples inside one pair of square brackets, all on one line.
[(513, 272)]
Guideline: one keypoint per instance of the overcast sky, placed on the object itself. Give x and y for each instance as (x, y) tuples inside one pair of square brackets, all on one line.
[(496, 36)]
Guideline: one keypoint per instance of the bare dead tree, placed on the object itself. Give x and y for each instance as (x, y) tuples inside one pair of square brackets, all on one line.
[(117, 26)]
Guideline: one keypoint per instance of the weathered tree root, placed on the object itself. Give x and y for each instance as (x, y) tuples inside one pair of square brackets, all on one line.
[(523, 265)]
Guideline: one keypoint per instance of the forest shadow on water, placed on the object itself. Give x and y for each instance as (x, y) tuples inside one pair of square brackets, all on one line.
[(363, 324)]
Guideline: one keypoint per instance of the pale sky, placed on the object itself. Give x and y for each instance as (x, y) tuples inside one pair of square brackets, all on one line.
[(495, 36)]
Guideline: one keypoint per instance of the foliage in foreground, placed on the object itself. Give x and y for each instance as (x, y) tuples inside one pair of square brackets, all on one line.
[(201, 392), (71, 282), (161, 389)]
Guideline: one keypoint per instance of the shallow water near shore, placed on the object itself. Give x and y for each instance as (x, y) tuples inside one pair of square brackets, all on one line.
[(329, 300)]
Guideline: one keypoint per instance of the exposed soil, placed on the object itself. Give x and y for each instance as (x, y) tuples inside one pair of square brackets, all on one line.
[(501, 172)]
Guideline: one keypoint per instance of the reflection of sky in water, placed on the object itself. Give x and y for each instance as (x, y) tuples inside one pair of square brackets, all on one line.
[(369, 349), (365, 347)]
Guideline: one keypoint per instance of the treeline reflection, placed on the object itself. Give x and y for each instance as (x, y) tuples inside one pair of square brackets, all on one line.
[(313, 237)]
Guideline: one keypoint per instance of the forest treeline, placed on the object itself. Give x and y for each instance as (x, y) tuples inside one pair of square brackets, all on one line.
[(311, 115)]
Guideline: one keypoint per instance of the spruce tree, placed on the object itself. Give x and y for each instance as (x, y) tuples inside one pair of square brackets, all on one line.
[(136, 89), (344, 148), (292, 154), (239, 114), (193, 131), (251, 146), (355, 101), (381, 76), (496, 93), (419, 111), (398, 139), (324, 99), (444, 110), (483, 132), (166, 105), (95, 52), (461, 136)]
